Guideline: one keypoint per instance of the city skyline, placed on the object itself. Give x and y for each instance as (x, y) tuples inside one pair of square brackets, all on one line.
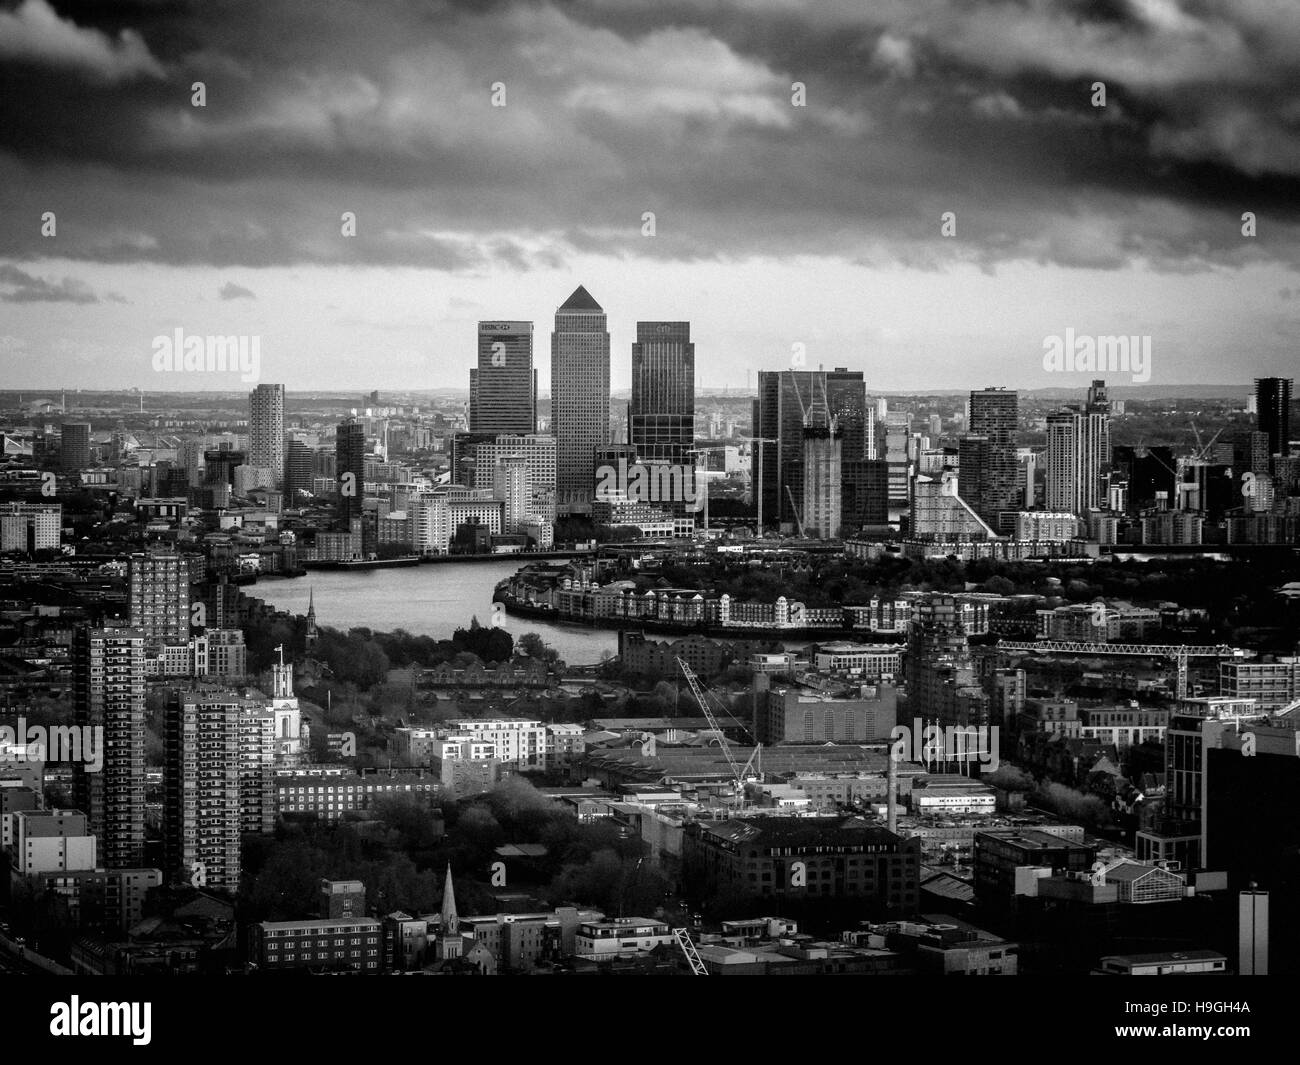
[(703, 489)]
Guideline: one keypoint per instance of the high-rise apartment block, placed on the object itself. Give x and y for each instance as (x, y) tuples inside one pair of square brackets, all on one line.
[(201, 814), (350, 470), (990, 472), (160, 597), (266, 431), (1273, 412), (108, 694), (1078, 454)]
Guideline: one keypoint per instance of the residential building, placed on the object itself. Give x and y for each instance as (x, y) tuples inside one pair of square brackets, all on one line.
[(108, 693), (266, 431)]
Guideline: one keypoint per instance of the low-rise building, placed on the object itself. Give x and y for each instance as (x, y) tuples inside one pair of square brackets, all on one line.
[(330, 944), (620, 937)]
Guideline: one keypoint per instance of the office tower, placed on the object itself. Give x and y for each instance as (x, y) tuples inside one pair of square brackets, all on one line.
[(108, 694), (1273, 412), (298, 466), (779, 412), (661, 416), (994, 415), (201, 812), (503, 387), (865, 499), (160, 597), (941, 683), (266, 430), (1078, 454), (822, 483), (350, 470), (74, 446), (579, 396), (510, 485)]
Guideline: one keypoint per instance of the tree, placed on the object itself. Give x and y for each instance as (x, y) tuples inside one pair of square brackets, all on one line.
[(531, 644)]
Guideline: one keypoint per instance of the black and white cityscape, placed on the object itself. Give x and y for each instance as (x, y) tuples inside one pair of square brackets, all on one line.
[(681, 489)]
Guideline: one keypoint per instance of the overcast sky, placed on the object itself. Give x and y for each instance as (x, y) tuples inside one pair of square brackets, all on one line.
[(775, 225)]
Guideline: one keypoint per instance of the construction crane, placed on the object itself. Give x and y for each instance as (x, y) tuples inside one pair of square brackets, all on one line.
[(705, 451), (798, 521), (757, 479), (739, 774), (692, 955), (1202, 452)]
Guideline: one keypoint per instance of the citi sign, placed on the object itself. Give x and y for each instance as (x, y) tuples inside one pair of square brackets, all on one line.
[(650, 482)]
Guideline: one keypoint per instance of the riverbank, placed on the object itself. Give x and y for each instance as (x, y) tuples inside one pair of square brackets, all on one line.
[(668, 628)]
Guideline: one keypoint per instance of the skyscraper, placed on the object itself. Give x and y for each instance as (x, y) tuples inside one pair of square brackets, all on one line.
[(503, 387), (1273, 412), (108, 694), (266, 430), (160, 597), (74, 446), (511, 486), (579, 396), (1078, 454), (298, 466), (993, 416), (201, 814), (779, 413), (350, 469), (822, 483), (661, 416)]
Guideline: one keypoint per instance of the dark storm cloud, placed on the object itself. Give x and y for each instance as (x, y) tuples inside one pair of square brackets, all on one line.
[(913, 109)]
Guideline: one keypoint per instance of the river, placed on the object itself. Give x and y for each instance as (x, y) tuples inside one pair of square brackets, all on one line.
[(429, 600)]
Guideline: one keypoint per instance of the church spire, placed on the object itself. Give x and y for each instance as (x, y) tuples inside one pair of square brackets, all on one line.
[(450, 919), (312, 632)]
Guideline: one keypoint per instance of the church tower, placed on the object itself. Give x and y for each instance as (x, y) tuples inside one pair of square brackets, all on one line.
[(449, 943), (312, 633)]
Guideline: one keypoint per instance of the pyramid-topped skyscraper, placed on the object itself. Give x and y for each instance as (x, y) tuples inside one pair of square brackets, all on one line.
[(579, 398)]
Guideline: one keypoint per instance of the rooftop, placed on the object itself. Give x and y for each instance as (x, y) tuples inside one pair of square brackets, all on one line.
[(581, 300)]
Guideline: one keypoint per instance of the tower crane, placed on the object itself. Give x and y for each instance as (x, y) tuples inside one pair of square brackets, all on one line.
[(757, 479), (738, 773), (705, 451), (692, 955)]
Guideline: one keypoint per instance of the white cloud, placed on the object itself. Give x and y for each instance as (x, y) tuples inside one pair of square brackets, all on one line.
[(34, 32)]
